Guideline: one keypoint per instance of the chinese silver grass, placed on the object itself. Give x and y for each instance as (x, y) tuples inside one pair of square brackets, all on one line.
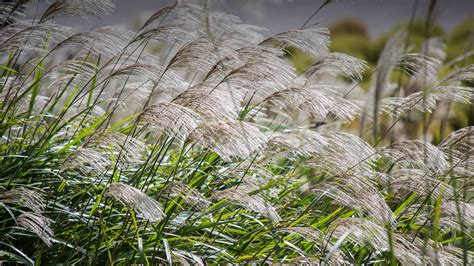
[(170, 34), (251, 175), (336, 259), (458, 59), (75, 67), (102, 151), (87, 161), (183, 257), (218, 23), (315, 101), (450, 213), (465, 74), (460, 94), (13, 94), (345, 153), (226, 64), (418, 65), (322, 242), (190, 195), (10, 30), (195, 15), (428, 251), (307, 260), (334, 64), (106, 41), (254, 203), (418, 155), (166, 80), (23, 197), (229, 139), (132, 96), (342, 89), (311, 234), (453, 210), (202, 54), (26, 36), (459, 151), (393, 49), (241, 36), (172, 119), (250, 53), (357, 193), (210, 102), (133, 198), (389, 57), (78, 8), (199, 55), (435, 48), (362, 231), (262, 69), (240, 57), (305, 143), (261, 77), (185, 22), (425, 101), (301, 100), (314, 41), (127, 150), (76, 110), (161, 15), (37, 224), (443, 255), (9, 12), (420, 182), (70, 75), (398, 106), (18, 133), (458, 252), (345, 110), (458, 142)]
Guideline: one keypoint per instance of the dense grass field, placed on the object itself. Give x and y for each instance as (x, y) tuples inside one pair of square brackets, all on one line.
[(195, 140)]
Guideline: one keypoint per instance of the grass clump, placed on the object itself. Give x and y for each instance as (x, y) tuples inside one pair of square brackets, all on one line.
[(215, 149)]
